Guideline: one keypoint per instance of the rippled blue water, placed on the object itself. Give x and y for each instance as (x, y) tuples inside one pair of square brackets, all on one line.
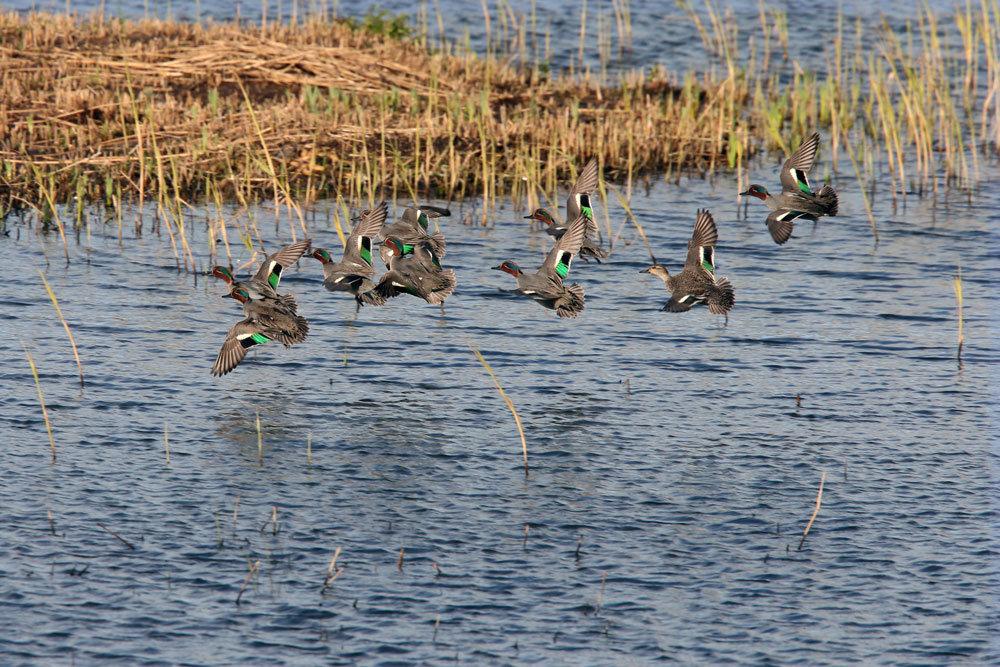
[(672, 471), (670, 444)]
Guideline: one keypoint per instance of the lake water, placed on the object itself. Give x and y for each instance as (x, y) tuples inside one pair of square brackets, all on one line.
[(672, 471)]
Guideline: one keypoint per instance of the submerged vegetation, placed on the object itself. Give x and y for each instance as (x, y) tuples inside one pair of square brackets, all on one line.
[(114, 111)]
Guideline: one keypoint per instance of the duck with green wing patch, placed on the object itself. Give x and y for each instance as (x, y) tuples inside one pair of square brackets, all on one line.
[(354, 271), (577, 203), (697, 283), (413, 269), (263, 323), (546, 285), (263, 285), (411, 229), (797, 200)]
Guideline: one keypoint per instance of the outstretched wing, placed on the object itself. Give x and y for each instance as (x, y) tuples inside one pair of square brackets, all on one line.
[(371, 221), (244, 335), (680, 303), (779, 223), (270, 271), (793, 172), (418, 217), (358, 250), (567, 247), (579, 197), (701, 247)]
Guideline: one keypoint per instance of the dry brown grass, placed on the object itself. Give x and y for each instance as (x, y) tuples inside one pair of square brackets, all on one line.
[(111, 110)]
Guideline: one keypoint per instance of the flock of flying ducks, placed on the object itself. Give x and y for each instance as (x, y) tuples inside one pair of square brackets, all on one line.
[(412, 257)]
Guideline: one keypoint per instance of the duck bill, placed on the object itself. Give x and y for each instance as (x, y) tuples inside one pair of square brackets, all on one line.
[(644, 271), (497, 268), (745, 193)]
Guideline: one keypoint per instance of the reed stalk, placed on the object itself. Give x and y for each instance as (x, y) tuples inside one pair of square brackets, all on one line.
[(864, 192), (116, 535), (399, 561), (55, 303), (166, 441), (41, 400), (253, 568), (819, 499), (496, 383), (600, 597)]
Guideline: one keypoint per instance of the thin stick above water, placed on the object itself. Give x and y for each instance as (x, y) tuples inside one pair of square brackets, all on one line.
[(819, 499), (496, 383), (957, 285)]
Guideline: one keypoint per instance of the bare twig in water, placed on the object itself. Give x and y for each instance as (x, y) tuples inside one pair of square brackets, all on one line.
[(496, 383), (55, 302), (331, 576), (52, 524), (260, 443), (253, 568), (116, 535), (819, 499), (399, 561), (45, 413), (957, 285)]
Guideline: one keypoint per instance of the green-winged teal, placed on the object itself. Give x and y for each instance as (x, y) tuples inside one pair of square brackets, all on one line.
[(264, 283), (353, 273), (546, 285), (413, 269), (411, 229), (577, 202), (697, 282), (797, 199), (263, 323)]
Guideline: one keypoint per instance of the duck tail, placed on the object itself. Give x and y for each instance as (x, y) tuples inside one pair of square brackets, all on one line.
[(438, 246), (296, 333), (374, 297), (722, 298), (446, 285), (571, 303), (827, 198)]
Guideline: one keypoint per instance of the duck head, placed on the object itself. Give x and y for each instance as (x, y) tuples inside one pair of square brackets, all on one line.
[(240, 295), (660, 272), (755, 190), (542, 216), (224, 273), (509, 267), (322, 255), (394, 246)]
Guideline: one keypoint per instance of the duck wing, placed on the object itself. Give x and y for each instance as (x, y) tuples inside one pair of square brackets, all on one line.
[(794, 171), (270, 270), (244, 335), (579, 197), (779, 223), (701, 247), (568, 246)]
